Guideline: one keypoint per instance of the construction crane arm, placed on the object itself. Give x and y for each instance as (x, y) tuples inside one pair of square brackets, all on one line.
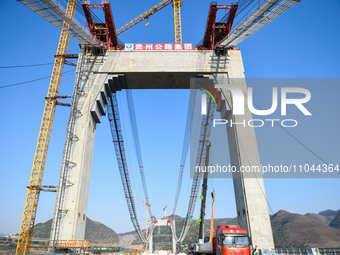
[(144, 16), (142, 200), (34, 187)]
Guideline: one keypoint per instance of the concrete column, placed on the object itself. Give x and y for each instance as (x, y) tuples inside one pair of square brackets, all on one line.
[(71, 203), (251, 202), (151, 244), (173, 238)]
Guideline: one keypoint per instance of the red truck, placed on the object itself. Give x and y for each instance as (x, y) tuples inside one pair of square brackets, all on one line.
[(229, 240)]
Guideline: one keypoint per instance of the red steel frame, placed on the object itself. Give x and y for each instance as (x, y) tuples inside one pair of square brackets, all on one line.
[(111, 39), (209, 35)]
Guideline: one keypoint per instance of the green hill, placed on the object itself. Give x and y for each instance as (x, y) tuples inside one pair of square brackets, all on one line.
[(94, 231)]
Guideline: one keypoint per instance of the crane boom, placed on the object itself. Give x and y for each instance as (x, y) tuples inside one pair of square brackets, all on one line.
[(177, 21), (147, 204), (144, 16), (33, 192), (177, 18)]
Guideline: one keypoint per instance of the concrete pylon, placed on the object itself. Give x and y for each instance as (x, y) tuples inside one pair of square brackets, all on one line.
[(71, 203), (151, 244), (249, 190), (97, 76), (162, 223)]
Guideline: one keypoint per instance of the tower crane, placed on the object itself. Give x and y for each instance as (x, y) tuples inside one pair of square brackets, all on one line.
[(34, 186), (164, 209), (177, 18), (147, 205), (177, 21)]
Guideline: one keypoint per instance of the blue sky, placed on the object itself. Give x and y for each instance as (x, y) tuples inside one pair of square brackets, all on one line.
[(300, 43)]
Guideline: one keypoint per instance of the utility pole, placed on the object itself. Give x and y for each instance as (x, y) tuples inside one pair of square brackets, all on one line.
[(204, 194)]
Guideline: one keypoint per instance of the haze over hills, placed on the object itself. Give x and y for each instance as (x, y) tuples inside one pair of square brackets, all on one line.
[(289, 230)]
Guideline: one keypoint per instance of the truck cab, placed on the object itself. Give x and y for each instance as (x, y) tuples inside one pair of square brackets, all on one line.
[(231, 240)]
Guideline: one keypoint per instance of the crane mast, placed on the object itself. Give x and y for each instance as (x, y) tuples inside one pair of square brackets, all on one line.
[(34, 187), (177, 21)]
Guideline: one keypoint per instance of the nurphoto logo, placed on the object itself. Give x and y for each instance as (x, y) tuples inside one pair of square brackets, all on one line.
[(239, 100)]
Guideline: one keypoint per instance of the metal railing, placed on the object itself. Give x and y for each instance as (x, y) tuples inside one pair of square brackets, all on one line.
[(308, 251)]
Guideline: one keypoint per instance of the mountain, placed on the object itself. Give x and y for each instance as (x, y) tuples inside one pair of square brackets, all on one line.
[(192, 236), (94, 231), (42, 230), (321, 218), (328, 213), (2, 235), (289, 229), (296, 230), (97, 231), (336, 221)]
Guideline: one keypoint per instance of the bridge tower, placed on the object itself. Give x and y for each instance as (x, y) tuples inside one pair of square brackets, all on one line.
[(98, 76), (161, 223)]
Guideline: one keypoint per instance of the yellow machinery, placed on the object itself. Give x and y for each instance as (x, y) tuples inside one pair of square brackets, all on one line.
[(34, 187), (147, 220), (177, 18), (164, 209), (177, 21)]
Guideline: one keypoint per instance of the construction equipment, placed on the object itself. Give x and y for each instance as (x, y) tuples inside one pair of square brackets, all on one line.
[(229, 239), (80, 245), (34, 187), (212, 217), (104, 32), (216, 31), (215, 36), (258, 17), (144, 16), (177, 18), (54, 13), (220, 35), (164, 209), (204, 194), (147, 205), (177, 21), (206, 124)]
